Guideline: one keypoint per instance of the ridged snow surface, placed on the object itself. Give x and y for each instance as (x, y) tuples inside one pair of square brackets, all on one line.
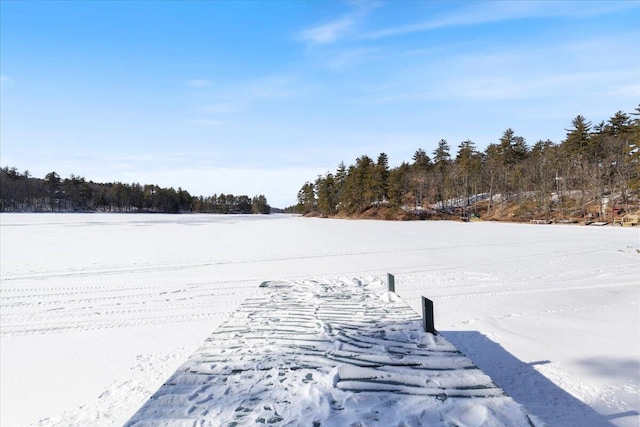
[(328, 353)]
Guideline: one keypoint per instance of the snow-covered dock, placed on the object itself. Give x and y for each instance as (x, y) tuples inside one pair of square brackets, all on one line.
[(328, 353)]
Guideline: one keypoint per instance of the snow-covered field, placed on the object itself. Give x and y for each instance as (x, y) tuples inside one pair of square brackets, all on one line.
[(98, 310)]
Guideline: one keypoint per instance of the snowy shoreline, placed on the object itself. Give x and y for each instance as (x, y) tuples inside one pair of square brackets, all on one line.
[(97, 310)]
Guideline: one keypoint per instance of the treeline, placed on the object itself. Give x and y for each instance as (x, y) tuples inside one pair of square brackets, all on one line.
[(20, 192), (593, 168)]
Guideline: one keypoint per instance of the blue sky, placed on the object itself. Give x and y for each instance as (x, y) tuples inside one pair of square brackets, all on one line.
[(258, 97)]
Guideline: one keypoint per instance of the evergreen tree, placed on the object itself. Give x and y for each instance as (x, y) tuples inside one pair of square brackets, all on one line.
[(359, 190), (327, 195), (577, 141), (381, 178), (259, 205), (398, 184), (578, 147), (468, 166), (53, 183), (306, 199), (513, 151), (442, 160), (421, 160), (420, 177)]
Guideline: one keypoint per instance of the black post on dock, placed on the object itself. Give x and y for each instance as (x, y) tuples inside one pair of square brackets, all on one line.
[(391, 281), (427, 316)]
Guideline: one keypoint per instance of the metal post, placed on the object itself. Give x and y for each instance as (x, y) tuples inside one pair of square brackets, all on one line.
[(391, 281), (427, 316)]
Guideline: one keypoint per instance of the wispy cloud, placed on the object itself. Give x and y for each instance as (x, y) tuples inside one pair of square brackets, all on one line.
[(329, 32), (241, 95), (514, 84), (630, 90), (199, 83), (269, 87), (221, 107), (349, 57), (498, 76), (497, 11), (339, 28), (208, 122), (5, 79)]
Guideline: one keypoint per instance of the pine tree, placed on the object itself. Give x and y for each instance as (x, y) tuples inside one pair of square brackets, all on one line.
[(420, 177), (327, 195), (259, 205), (398, 178), (381, 178), (53, 183), (442, 160), (306, 199), (468, 165), (421, 160), (577, 146), (364, 181)]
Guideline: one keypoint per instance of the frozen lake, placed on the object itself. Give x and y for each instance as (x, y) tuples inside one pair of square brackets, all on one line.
[(97, 310)]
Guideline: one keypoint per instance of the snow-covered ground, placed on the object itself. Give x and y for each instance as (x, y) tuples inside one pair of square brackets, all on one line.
[(98, 310), (341, 352)]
